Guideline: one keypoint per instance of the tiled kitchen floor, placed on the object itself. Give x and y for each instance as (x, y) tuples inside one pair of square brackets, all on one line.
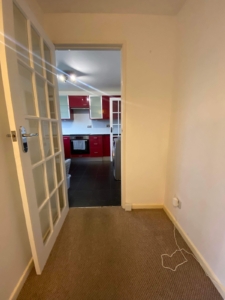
[(93, 184)]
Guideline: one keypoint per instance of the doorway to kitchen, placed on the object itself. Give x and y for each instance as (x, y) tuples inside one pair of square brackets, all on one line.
[(89, 82)]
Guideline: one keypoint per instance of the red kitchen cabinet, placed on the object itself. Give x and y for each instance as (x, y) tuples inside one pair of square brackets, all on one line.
[(78, 102), (106, 145), (95, 143), (105, 107), (66, 142)]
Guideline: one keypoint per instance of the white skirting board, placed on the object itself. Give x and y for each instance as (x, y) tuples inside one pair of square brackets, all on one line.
[(200, 258), (146, 206), (22, 280)]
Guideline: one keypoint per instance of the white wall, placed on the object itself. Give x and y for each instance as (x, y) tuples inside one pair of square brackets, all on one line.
[(80, 123), (14, 247), (36, 10), (197, 154), (148, 65)]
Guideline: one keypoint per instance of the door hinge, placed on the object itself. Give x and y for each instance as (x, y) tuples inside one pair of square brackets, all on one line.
[(12, 135)]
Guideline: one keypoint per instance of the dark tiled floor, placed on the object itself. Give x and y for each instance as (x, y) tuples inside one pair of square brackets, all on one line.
[(93, 184)]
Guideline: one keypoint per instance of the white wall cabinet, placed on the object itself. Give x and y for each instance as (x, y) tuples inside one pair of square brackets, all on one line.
[(95, 107), (64, 108)]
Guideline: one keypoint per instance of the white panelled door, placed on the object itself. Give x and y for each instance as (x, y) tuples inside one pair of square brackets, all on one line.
[(115, 121), (30, 86)]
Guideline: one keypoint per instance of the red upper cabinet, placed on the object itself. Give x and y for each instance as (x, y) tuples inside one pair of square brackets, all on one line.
[(105, 107), (78, 102)]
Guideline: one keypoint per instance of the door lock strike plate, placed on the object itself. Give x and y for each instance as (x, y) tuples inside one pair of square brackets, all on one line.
[(12, 135)]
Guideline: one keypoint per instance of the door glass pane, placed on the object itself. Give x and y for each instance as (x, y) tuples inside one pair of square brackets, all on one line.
[(39, 182), (58, 168), (116, 129), (51, 99), (55, 135), (45, 222), (119, 106), (21, 35), (50, 175), (48, 63), (46, 138), (117, 118), (41, 97), (115, 106), (61, 196), (34, 144), (54, 207), (28, 92), (36, 50)]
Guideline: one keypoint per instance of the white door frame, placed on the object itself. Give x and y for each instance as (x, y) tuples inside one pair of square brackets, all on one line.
[(109, 45)]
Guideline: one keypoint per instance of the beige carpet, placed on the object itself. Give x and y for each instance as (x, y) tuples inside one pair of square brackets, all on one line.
[(110, 254)]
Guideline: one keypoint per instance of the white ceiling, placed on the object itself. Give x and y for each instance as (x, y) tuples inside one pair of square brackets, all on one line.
[(156, 7), (100, 69)]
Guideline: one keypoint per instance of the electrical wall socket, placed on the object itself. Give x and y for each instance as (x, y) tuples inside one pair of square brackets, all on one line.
[(107, 125), (89, 126), (176, 202)]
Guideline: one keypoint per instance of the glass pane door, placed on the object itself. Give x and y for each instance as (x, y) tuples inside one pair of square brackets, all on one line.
[(29, 83), (115, 120), (40, 104)]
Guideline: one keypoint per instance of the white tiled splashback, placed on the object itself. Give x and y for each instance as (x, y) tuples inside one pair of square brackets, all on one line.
[(80, 123)]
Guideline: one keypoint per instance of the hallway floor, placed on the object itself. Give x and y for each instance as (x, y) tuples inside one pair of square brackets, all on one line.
[(92, 184), (109, 254)]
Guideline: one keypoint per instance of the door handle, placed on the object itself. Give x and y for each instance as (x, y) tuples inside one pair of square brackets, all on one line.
[(29, 134), (23, 138)]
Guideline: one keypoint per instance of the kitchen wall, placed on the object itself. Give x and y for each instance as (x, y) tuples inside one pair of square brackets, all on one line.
[(81, 122), (197, 151), (148, 60)]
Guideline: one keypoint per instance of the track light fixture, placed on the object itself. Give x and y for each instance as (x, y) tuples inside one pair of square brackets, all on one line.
[(67, 77)]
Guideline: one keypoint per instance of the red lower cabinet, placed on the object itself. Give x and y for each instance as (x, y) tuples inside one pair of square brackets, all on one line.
[(95, 143), (66, 142), (106, 145)]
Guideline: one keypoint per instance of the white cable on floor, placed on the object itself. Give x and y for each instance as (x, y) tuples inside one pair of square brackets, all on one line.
[(177, 250), (181, 250)]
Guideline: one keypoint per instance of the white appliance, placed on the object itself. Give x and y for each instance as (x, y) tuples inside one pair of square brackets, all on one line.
[(117, 158)]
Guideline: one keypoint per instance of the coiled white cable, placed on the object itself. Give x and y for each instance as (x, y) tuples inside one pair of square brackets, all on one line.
[(181, 250)]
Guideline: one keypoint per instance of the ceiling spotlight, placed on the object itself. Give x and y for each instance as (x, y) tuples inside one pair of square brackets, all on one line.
[(62, 77), (73, 77)]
